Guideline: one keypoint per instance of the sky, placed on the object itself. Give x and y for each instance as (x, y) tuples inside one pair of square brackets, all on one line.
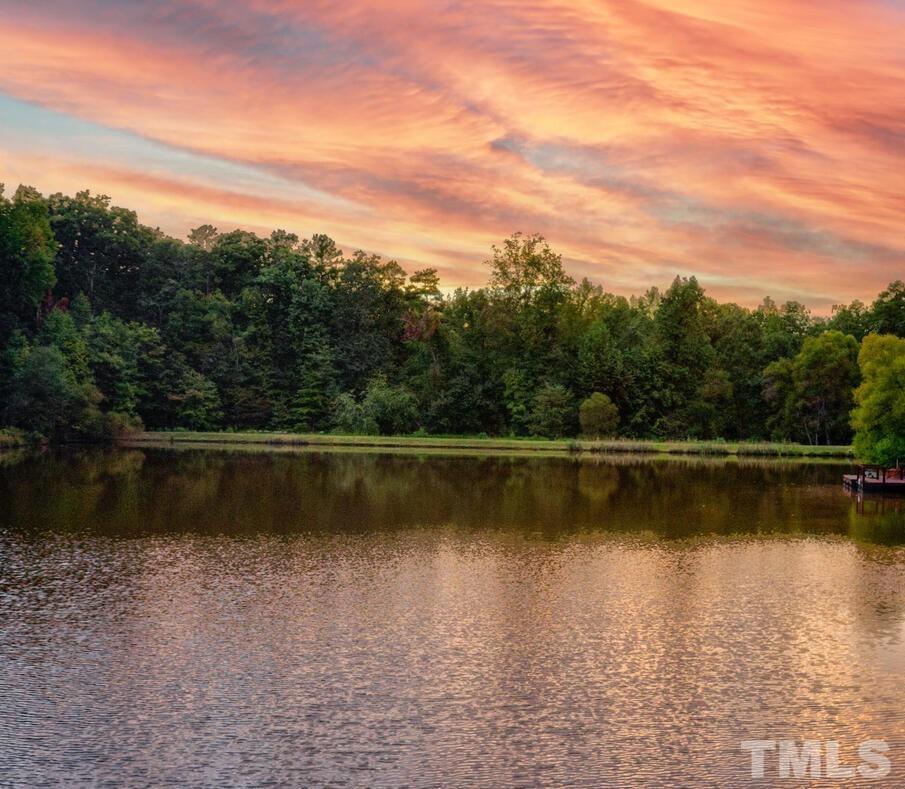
[(757, 144)]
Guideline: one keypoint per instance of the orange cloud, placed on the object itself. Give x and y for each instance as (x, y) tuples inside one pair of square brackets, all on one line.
[(757, 143)]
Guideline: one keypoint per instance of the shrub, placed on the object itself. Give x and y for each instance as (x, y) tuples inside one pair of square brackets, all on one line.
[(392, 408), (349, 417), (120, 425), (599, 416)]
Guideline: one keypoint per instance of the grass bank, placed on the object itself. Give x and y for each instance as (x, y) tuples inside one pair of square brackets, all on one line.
[(741, 448)]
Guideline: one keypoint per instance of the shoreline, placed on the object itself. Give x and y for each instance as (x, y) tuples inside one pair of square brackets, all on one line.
[(501, 445)]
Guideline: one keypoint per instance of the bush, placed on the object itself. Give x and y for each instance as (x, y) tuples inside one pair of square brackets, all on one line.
[(120, 425), (349, 417), (385, 410), (599, 416), (393, 408)]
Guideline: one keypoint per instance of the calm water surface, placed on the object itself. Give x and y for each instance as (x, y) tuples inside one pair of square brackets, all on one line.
[(208, 618)]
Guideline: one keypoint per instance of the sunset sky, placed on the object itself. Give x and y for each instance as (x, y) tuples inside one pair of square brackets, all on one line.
[(759, 144)]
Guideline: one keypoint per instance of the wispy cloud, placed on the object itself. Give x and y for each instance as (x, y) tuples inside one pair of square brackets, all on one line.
[(759, 143)]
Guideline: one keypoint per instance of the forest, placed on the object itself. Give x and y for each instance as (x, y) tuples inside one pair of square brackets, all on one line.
[(107, 326)]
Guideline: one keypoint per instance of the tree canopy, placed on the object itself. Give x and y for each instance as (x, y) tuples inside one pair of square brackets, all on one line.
[(105, 322), (879, 417)]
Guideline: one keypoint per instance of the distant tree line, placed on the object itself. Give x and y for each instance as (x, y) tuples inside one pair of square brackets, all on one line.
[(106, 325)]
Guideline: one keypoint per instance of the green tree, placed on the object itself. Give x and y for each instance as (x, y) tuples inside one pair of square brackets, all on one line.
[(784, 328), (367, 318), (236, 258), (529, 295), (525, 267), (710, 413), (316, 389), (518, 395), (598, 416), (196, 401), (202, 241), (61, 331), (102, 249), (554, 412), (392, 408), (116, 361), (682, 352), (738, 341), (461, 389), (813, 390), (239, 330), (888, 311), (601, 363), (287, 313), (27, 250), (47, 399), (854, 319), (879, 415)]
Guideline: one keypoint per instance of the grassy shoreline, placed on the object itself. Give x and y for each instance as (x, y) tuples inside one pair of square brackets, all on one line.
[(748, 449)]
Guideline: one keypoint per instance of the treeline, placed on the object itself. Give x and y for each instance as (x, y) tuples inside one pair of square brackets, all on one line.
[(106, 324)]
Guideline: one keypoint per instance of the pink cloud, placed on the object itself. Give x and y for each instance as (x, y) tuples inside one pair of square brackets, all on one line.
[(759, 143)]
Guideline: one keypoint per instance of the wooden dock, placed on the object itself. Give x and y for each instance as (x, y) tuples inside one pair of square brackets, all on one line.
[(875, 479)]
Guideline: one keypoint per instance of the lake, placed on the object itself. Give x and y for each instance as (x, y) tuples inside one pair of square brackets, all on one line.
[(211, 618)]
